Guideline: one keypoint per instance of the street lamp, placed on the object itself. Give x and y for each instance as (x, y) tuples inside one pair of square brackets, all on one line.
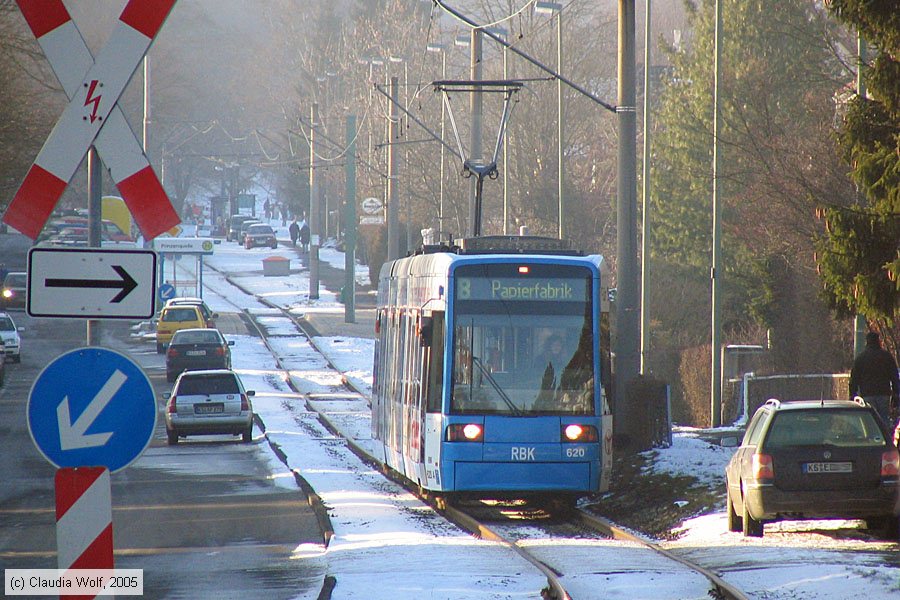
[(440, 48), (550, 9), (504, 33)]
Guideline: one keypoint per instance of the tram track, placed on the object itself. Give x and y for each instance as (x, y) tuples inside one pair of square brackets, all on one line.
[(522, 535)]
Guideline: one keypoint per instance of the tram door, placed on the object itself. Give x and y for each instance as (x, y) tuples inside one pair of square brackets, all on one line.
[(434, 338)]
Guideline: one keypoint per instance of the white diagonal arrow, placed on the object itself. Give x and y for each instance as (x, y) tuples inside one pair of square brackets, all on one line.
[(71, 435)]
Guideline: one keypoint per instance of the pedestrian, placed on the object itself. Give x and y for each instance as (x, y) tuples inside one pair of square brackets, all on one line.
[(874, 377), (294, 230), (304, 236), (284, 214), (267, 209)]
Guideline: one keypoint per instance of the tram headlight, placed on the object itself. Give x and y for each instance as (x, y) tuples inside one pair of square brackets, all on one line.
[(465, 432), (579, 433)]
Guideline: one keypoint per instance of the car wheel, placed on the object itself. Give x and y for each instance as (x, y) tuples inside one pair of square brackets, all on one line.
[(159, 348), (274, 245), (170, 377), (885, 527), (750, 526), (171, 437), (247, 435), (735, 522)]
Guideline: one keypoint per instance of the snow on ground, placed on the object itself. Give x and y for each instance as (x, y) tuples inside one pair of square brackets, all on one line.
[(380, 529)]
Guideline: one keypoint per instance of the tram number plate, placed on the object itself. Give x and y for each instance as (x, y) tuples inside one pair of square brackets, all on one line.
[(828, 467)]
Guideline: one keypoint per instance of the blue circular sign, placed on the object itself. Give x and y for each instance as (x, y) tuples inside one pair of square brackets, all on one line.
[(166, 291), (92, 407)]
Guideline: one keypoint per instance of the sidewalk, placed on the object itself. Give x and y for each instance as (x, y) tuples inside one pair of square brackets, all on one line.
[(331, 324)]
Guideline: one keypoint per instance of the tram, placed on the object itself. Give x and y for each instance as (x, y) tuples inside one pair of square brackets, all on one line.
[(491, 372)]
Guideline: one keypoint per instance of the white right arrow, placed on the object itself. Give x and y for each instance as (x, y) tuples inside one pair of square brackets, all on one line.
[(71, 435)]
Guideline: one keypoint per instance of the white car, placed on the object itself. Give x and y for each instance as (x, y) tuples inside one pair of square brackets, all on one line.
[(209, 402), (10, 335)]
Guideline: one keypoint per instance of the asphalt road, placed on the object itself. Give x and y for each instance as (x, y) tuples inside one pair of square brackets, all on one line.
[(203, 519)]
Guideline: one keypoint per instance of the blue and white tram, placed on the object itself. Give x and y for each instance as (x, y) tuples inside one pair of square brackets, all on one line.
[(469, 397)]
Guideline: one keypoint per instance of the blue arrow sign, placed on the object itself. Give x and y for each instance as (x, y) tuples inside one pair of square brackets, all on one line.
[(92, 407), (166, 291)]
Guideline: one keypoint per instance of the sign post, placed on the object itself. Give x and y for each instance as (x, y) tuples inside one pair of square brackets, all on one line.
[(91, 411)]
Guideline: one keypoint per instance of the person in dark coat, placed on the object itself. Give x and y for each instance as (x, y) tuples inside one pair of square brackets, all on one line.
[(874, 377), (304, 236), (294, 230)]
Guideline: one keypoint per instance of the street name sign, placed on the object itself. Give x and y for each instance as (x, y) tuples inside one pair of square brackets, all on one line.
[(184, 245), (92, 407), (91, 283), (93, 116)]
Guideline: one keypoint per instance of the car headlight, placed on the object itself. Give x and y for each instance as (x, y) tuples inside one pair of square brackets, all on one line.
[(7, 293)]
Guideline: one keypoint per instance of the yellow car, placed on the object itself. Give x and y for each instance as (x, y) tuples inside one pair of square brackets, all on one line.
[(173, 318)]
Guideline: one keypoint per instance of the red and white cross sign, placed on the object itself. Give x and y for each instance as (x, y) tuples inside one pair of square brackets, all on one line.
[(92, 116)]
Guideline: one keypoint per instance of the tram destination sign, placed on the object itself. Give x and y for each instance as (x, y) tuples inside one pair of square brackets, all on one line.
[(531, 289)]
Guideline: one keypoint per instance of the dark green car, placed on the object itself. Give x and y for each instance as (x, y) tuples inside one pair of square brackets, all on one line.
[(814, 459)]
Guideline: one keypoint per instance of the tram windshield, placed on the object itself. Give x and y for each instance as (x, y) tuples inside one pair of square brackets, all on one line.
[(522, 341)]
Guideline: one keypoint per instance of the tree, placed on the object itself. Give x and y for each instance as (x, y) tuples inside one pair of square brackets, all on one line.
[(33, 102), (779, 75), (859, 254)]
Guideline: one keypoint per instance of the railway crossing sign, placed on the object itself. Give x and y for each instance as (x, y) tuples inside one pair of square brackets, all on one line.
[(93, 116), (90, 283), (91, 407)]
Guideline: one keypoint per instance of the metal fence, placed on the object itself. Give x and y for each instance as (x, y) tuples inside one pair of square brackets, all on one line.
[(742, 396)]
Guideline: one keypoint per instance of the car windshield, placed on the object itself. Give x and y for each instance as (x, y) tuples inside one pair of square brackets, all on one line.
[(15, 280), (174, 315), (835, 427), (522, 356), (219, 383), (6, 324), (259, 229), (207, 336)]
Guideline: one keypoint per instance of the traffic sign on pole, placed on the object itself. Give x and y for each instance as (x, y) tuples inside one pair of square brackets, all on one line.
[(166, 291), (90, 283), (93, 89), (91, 407)]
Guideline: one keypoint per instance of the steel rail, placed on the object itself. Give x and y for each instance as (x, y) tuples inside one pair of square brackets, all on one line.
[(725, 590)]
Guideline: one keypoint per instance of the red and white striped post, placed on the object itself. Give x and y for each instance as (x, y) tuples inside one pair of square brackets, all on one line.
[(84, 533)]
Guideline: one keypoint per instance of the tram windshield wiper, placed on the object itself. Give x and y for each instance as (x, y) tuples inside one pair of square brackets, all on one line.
[(500, 391)]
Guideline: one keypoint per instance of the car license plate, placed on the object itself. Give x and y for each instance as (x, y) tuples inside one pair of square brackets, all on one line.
[(196, 352), (828, 467), (209, 409)]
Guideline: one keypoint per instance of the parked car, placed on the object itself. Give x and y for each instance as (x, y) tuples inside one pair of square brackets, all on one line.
[(208, 314), (9, 335), (13, 292), (260, 234), (208, 402), (822, 459), (175, 318), (233, 232), (197, 349)]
